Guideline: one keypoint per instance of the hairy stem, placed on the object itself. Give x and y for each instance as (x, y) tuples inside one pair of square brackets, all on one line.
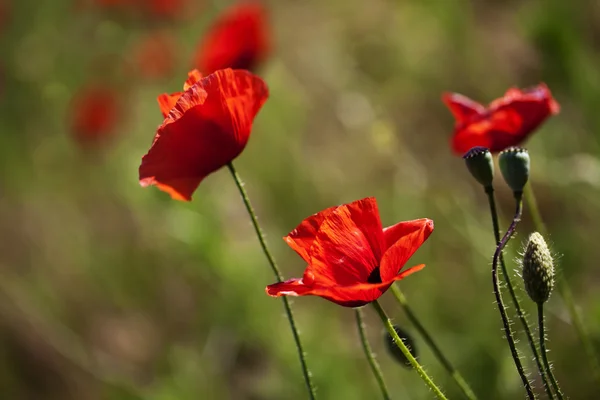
[(464, 386), (544, 351), (494, 212), (388, 324), (271, 260), (369, 354), (496, 282)]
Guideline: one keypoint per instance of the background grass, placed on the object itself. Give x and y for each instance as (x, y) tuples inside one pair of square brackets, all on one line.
[(111, 291)]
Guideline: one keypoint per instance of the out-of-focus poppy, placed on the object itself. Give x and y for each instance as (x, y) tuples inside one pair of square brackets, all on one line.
[(506, 122), (207, 127), (154, 57), (239, 39), (94, 114), (351, 259)]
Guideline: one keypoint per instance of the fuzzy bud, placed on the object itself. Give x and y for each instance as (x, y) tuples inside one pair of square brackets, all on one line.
[(514, 165), (480, 164), (538, 269), (395, 351)]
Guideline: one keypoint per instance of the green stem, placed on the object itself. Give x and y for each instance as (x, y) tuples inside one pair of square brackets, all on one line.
[(369, 354), (271, 259), (388, 324), (498, 294), (544, 351), (564, 291), (489, 190), (464, 386)]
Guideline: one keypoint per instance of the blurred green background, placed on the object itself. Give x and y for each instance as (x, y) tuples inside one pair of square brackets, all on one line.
[(111, 291)]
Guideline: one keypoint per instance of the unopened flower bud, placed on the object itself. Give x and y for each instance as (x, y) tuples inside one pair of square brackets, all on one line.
[(514, 165), (538, 269), (395, 351), (480, 164)]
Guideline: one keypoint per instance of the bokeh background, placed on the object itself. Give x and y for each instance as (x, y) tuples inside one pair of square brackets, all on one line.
[(111, 291)]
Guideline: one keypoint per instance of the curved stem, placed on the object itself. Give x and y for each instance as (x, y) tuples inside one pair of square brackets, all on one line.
[(388, 324), (544, 352), (369, 354), (271, 259), (464, 386), (564, 290), (494, 212), (505, 322)]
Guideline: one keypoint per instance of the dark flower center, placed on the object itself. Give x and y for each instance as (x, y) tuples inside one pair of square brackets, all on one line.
[(374, 276)]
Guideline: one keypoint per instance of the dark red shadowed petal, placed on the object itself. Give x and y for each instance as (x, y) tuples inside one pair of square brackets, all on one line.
[(94, 114), (207, 128), (240, 39), (402, 241), (508, 121), (347, 296), (166, 102), (462, 107)]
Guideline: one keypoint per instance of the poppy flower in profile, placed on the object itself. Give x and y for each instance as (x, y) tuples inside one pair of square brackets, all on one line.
[(205, 128), (239, 39), (94, 114), (506, 122), (352, 260)]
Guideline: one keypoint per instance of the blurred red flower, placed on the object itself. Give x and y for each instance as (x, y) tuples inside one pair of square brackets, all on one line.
[(94, 114), (207, 127), (506, 122), (239, 39), (154, 56), (351, 259)]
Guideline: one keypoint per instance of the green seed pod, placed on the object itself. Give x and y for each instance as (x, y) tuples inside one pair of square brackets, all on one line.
[(480, 164), (395, 351), (514, 165), (538, 269)]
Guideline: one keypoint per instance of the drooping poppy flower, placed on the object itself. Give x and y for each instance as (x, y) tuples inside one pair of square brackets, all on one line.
[(207, 127), (506, 122), (239, 39), (166, 102), (94, 114), (351, 259)]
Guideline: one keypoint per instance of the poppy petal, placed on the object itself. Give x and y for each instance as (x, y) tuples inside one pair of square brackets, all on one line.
[(301, 239), (406, 237), (462, 107), (193, 77), (347, 296), (207, 128), (166, 102), (342, 252), (239, 39)]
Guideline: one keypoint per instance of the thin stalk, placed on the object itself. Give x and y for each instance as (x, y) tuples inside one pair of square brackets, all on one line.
[(544, 351), (369, 354), (388, 324), (564, 291), (496, 282), (494, 212), (464, 386), (273, 264)]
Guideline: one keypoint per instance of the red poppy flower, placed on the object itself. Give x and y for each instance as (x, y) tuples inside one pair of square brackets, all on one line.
[(506, 122), (239, 39), (94, 114), (351, 259), (207, 127)]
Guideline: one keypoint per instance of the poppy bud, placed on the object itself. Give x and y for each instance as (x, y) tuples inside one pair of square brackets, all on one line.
[(395, 351), (514, 165), (538, 269), (480, 164)]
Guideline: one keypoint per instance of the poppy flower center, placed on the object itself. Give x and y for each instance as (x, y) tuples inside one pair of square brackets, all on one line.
[(374, 276)]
